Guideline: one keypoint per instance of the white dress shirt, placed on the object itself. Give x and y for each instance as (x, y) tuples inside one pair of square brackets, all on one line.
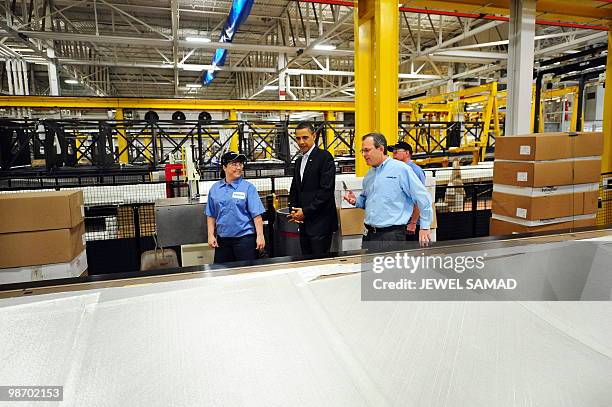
[(304, 161)]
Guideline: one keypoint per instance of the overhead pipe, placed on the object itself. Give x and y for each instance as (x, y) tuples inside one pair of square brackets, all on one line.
[(468, 15), (239, 12), (26, 85), (19, 72), (9, 76)]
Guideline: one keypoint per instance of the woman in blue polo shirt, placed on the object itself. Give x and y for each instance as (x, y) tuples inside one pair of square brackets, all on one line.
[(234, 209)]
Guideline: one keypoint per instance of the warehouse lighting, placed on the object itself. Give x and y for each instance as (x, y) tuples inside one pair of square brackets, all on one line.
[(196, 67), (71, 81), (197, 39), (193, 85), (323, 47)]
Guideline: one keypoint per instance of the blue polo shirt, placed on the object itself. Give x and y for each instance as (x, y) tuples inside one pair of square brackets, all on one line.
[(234, 206), (389, 194)]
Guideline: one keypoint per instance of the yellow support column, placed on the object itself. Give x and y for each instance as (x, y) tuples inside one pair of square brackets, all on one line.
[(376, 70), (574, 118), (121, 140), (496, 126), (78, 143), (606, 159), (233, 116), (268, 149), (329, 133), (148, 146), (607, 116), (489, 113)]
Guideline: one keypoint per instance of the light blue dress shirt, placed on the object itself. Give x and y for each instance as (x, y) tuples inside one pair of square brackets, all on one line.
[(234, 206), (418, 171), (389, 193)]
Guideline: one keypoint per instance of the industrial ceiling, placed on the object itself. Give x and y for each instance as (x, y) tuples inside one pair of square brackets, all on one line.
[(140, 48)]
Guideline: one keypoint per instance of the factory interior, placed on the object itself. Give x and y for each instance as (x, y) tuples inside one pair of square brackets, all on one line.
[(197, 209)]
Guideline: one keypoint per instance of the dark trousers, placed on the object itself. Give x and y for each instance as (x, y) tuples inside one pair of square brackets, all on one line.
[(415, 236), (236, 249), (388, 239), (315, 244)]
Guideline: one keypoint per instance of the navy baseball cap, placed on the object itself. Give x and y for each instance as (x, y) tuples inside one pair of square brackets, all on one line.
[(232, 156), (401, 145)]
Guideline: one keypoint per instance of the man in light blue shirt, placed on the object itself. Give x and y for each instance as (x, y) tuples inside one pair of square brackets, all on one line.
[(390, 190), (402, 151)]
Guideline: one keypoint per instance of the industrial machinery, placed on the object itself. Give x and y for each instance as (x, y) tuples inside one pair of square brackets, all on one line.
[(208, 327)]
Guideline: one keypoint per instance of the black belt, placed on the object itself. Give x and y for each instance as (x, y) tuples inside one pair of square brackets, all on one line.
[(235, 237), (375, 229)]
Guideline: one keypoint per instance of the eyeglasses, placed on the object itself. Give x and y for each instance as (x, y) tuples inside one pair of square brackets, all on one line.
[(235, 164)]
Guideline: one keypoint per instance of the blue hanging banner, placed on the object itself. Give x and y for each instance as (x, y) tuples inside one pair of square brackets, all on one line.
[(239, 12)]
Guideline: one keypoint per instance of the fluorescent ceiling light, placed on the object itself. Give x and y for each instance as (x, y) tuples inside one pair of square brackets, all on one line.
[(22, 49), (323, 47), (197, 67), (71, 81), (269, 87), (193, 85), (197, 39)]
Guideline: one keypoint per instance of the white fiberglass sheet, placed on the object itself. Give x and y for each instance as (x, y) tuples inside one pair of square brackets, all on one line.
[(41, 342), (275, 339), (475, 353), (250, 342)]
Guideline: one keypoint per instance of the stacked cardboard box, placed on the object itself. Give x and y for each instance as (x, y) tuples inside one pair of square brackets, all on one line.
[(41, 228), (545, 182), (350, 219)]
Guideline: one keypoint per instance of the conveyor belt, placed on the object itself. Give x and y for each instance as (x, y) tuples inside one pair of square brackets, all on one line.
[(356, 257), (274, 337)]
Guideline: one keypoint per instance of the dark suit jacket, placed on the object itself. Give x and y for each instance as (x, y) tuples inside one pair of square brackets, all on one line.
[(315, 193)]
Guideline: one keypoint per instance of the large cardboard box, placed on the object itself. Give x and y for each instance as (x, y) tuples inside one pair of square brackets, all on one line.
[(505, 227), (351, 221), (545, 203), (75, 268), (548, 146), (41, 247), (545, 173), (31, 211)]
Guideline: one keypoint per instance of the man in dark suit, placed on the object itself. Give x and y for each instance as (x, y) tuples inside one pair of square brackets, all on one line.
[(312, 193)]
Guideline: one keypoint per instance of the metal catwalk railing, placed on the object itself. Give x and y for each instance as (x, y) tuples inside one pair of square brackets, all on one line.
[(48, 146)]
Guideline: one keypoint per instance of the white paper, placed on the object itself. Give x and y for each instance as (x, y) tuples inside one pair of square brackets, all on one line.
[(525, 150), (521, 212)]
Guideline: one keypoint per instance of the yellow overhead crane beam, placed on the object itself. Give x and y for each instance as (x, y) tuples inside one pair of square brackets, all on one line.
[(74, 102), (563, 10), (172, 104)]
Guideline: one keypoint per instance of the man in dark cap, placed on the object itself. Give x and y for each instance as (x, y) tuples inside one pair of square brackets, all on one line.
[(402, 151)]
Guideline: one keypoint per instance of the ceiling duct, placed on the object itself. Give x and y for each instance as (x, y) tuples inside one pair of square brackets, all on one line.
[(239, 12)]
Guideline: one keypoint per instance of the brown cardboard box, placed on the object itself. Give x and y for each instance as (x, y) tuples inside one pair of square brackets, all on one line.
[(545, 173), (41, 247), (499, 227), (351, 221), (544, 207), (548, 146), (31, 211)]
